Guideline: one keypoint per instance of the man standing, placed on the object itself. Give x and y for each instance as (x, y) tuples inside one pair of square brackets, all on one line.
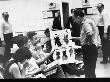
[(89, 43), (8, 35), (104, 26)]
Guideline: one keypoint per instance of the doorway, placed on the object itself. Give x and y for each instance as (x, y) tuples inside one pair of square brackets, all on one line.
[(65, 11)]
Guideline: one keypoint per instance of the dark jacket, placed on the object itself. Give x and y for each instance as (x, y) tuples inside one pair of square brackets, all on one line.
[(75, 29), (7, 74), (57, 24)]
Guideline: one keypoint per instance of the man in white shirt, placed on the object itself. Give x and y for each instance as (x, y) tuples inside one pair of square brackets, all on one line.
[(89, 43), (7, 35), (104, 28)]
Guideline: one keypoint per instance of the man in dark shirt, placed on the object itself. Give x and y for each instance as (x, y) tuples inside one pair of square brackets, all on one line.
[(75, 29)]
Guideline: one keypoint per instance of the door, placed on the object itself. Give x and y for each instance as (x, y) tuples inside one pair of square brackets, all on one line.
[(65, 11)]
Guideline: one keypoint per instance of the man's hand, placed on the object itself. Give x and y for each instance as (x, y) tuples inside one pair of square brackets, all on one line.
[(3, 43), (25, 64), (99, 46), (89, 39), (51, 53), (105, 36), (43, 67)]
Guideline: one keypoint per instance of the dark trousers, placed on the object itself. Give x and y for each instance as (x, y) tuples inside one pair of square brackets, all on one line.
[(105, 42), (9, 44), (106, 50), (101, 32), (90, 53), (106, 46)]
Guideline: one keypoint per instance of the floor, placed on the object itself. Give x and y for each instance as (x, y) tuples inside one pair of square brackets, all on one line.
[(102, 70)]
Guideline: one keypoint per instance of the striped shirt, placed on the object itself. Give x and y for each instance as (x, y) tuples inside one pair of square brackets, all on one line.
[(89, 28)]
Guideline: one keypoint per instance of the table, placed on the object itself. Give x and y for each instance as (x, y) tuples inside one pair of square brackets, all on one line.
[(54, 70)]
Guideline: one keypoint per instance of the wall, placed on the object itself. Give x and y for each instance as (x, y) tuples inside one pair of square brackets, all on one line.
[(27, 14), (24, 14), (75, 4)]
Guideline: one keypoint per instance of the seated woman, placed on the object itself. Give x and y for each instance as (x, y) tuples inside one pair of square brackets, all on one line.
[(19, 65), (36, 49), (16, 67), (38, 56), (22, 41)]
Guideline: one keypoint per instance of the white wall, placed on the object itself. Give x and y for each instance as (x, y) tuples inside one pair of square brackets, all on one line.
[(78, 3), (27, 14), (24, 14), (75, 4)]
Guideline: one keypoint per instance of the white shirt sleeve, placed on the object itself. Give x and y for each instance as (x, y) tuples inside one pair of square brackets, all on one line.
[(88, 28), (1, 32), (106, 18)]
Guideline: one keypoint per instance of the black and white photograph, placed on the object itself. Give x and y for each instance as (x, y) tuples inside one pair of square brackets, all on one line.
[(54, 39)]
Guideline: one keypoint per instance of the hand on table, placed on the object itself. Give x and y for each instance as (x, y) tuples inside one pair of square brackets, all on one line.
[(105, 36), (43, 67), (39, 76)]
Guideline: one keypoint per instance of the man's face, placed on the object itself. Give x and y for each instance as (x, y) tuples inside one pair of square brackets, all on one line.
[(78, 20), (38, 46), (100, 8), (73, 14), (28, 45), (57, 14), (6, 17)]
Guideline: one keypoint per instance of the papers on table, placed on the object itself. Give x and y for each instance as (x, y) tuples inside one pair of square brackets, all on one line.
[(52, 64)]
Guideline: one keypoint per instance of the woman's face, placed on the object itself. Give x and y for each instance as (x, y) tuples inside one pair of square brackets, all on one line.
[(28, 45), (35, 40), (47, 34), (6, 17), (38, 47), (56, 14), (72, 14), (25, 63)]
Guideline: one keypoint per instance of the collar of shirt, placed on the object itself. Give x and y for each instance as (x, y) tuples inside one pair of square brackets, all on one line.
[(84, 19)]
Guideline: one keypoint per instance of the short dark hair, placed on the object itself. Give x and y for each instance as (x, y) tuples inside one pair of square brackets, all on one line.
[(100, 5), (22, 54), (47, 32), (78, 12), (21, 40), (5, 14), (31, 34), (72, 10)]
